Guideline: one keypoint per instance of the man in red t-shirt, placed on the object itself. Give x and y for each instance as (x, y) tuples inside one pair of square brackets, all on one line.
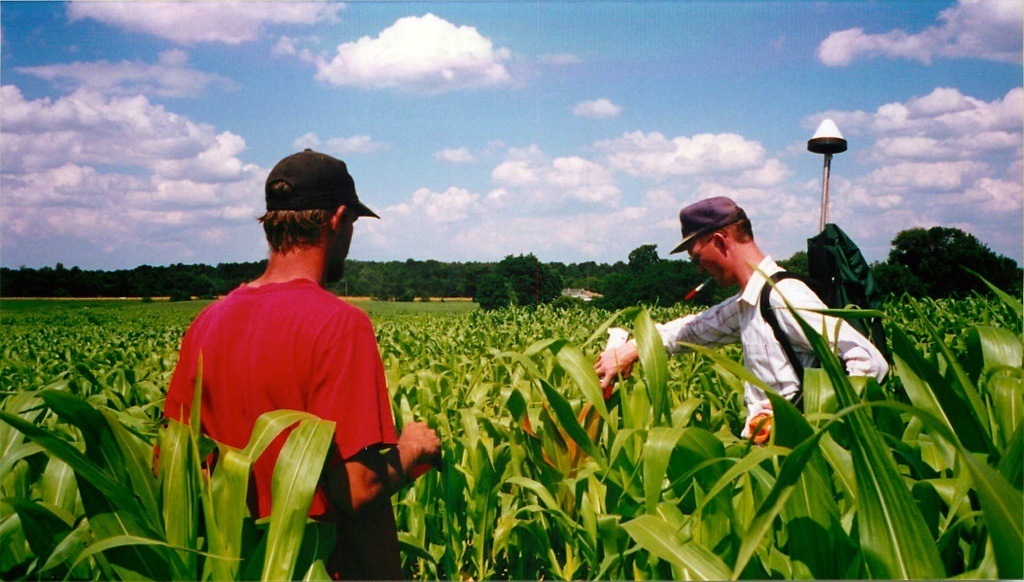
[(283, 342)]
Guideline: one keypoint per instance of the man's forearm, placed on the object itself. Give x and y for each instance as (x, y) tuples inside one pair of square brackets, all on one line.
[(367, 477)]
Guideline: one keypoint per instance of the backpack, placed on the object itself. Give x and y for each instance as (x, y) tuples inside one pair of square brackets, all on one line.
[(840, 277)]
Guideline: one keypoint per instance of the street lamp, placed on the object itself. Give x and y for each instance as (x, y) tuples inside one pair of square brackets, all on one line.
[(827, 140)]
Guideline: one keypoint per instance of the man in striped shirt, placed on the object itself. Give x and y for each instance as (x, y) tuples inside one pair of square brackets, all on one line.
[(718, 236)]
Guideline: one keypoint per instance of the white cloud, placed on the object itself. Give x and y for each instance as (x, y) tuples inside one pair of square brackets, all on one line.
[(654, 156), (927, 176), (285, 46), (419, 54), (981, 29), (996, 196), (528, 173), (112, 173), (455, 156), (195, 22), (474, 226), (169, 77), (355, 144), (771, 173), (596, 109), (945, 124), (452, 205), (88, 128), (942, 158)]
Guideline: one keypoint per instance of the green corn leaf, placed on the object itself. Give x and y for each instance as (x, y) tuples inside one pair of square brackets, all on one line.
[(1000, 500), (703, 452), (58, 484), (991, 347), (819, 398), (82, 466), (178, 478), (137, 458), (810, 514), (66, 551), (1001, 504), (842, 466), (566, 418), (780, 493), (581, 370), (44, 525), (122, 542), (655, 535), (225, 563), (1006, 392), (317, 572), (529, 365), (130, 560), (15, 456), (738, 467), (1011, 465), (24, 405), (229, 486), (849, 313), (542, 493), (960, 382), (729, 365), (600, 332), (296, 476), (661, 441), (931, 392), (197, 400), (1010, 301), (893, 535), (654, 362), (267, 428)]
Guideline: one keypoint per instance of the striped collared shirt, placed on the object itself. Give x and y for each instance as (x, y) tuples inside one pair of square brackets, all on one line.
[(738, 319)]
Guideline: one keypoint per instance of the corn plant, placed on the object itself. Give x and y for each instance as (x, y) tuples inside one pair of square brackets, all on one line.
[(920, 477), (101, 511)]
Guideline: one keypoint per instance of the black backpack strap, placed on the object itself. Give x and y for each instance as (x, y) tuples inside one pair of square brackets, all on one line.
[(773, 321)]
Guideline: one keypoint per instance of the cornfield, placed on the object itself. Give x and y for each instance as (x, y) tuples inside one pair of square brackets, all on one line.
[(541, 478)]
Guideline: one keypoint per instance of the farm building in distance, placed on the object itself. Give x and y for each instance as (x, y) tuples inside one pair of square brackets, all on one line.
[(580, 294)]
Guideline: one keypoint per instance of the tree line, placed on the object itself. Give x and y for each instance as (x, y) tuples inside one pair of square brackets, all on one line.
[(921, 263)]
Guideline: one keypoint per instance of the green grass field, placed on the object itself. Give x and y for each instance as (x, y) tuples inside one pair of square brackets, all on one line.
[(14, 309)]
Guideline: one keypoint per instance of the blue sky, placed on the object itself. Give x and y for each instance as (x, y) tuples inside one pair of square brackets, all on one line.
[(142, 133)]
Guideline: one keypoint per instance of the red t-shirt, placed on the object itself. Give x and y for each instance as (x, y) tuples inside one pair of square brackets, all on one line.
[(284, 346)]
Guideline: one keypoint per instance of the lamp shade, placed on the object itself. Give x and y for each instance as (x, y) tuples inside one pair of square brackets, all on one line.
[(827, 140)]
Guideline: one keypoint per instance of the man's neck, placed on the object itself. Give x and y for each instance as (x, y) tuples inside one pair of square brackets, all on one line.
[(301, 263), (748, 257)]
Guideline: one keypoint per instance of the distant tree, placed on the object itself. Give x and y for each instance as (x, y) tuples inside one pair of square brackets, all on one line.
[(648, 279), (494, 292), (797, 263), (643, 257), (897, 279), (519, 280), (937, 256)]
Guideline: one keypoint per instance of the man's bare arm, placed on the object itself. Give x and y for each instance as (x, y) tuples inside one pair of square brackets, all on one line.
[(373, 474)]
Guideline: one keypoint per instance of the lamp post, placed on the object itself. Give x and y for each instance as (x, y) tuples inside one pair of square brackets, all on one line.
[(827, 140)]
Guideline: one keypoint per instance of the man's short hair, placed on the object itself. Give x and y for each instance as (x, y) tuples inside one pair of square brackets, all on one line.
[(741, 230), (290, 229)]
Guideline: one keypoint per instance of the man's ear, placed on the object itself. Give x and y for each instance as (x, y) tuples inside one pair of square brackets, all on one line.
[(335, 221), (720, 240)]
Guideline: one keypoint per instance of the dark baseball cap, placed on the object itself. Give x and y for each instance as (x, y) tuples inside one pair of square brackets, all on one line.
[(317, 182), (706, 216)]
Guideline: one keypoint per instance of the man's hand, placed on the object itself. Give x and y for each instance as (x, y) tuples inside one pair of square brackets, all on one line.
[(760, 427), (614, 362), (418, 445)]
